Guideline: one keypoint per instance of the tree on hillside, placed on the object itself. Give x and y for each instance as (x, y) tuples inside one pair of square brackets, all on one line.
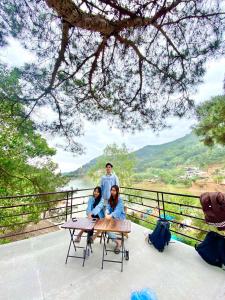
[(211, 117), (26, 166), (123, 164), (133, 62), (25, 157)]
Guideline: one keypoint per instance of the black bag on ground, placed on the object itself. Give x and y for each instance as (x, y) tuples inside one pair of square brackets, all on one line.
[(212, 249), (160, 236)]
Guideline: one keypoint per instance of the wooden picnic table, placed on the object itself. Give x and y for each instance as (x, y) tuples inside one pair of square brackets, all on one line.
[(118, 226), (79, 224), (113, 225)]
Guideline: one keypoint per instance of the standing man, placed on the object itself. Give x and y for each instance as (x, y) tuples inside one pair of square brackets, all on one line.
[(107, 181)]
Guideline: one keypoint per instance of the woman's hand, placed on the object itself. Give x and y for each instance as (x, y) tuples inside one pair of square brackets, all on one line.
[(108, 217), (89, 216)]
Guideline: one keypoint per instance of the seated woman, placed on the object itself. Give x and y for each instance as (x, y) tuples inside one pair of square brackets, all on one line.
[(115, 210), (94, 210)]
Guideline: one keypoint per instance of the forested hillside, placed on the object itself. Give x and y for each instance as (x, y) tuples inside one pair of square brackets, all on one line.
[(168, 161)]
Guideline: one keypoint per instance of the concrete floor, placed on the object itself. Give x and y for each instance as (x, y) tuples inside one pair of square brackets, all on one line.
[(35, 269)]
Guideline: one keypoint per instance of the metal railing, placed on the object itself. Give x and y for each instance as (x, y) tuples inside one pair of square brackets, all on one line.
[(183, 212), (18, 212), (145, 207)]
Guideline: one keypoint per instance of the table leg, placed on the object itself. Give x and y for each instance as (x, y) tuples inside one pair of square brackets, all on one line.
[(71, 241), (104, 247), (86, 248), (122, 251), (90, 246), (72, 233), (106, 241)]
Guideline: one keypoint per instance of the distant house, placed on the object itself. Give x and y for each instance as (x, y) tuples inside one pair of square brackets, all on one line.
[(154, 179), (191, 172)]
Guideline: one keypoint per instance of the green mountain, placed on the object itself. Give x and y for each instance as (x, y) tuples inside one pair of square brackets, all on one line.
[(186, 151), (82, 171)]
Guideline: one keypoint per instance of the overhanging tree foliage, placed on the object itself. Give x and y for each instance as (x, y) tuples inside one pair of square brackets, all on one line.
[(133, 62), (211, 117)]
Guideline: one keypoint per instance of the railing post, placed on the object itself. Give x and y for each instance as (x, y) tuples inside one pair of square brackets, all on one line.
[(164, 215), (67, 200), (71, 204), (158, 204)]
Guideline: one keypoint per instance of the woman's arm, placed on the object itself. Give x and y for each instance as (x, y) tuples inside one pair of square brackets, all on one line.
[(108, 209), (89, 207), (118, 209), (98, 207)]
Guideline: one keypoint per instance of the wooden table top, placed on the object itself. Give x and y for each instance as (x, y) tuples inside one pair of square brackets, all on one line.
[(80, 223), (113, 225)]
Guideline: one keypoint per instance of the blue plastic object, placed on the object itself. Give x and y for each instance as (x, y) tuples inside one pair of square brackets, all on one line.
[(167, 217), (144, 294)]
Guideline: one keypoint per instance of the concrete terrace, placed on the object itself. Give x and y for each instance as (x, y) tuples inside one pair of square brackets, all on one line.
[(35, 269)]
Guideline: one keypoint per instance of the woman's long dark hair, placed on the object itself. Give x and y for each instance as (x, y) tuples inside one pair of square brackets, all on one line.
[(97, 200), (113, 201)]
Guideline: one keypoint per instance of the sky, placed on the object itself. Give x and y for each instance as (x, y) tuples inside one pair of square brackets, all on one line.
[(97, 136)]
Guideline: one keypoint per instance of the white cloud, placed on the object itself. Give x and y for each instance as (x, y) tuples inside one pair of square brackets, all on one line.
[(15, 55), (213, 81)]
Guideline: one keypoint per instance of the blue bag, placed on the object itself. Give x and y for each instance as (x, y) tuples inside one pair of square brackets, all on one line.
[(160, 236)]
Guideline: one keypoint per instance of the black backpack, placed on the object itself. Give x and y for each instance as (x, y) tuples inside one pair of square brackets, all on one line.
[(160, 236), (212, 249)]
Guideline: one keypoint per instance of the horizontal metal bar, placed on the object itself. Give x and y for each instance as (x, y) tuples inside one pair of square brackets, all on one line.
[(18, 215), (27, 222), (44, 211), (45, 202), (137, 196), (141, 204), (172, 230), (21, 233), (165, 201), (160, 192), (30, 213), (32, 195), (76, 212), (31, 204), (189, 226), (188, 236), (179, 214), (141, 219), (143, 212), (3, 236), (113, 261), (74, 256), (79, 197), (166, 210), (109, 250), (171, 221), (181, 204), (47, 193)]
